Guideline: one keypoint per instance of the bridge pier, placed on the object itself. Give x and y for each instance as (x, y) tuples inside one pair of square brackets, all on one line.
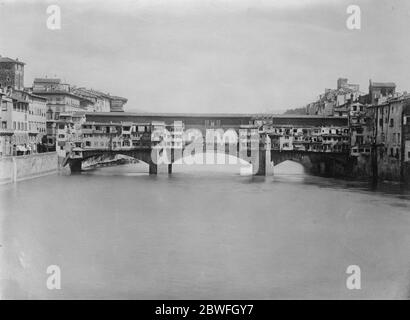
[(75, 166), (265, 166), (153, 168)]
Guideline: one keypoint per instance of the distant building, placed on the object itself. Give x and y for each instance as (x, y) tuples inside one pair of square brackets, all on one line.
[(100, 100), (6, 130), (60, 100), (11, 73), (391, 139), (23, 122), (342, 83), (361, 137), (406, 140), (380, 90), (48, 109), (69, 134), (49, 84), (332, 101), (117, 103)]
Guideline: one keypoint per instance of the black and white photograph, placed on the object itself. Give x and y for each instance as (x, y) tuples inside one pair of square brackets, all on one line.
[(194, 150)]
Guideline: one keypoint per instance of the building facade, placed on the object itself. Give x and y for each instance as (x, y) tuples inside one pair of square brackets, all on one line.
[(11, 73), (23, 122), (390, 134), (60, 100), (117, 103), (330, 102)]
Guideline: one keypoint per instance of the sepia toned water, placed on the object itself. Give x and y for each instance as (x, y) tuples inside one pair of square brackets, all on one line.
[(204, 233)]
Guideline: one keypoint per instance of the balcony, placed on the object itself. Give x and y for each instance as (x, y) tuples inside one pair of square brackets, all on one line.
[(5, 131)]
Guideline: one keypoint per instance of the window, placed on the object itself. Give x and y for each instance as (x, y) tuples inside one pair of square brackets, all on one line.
[(381, 122), (391, 122), (4, 124)]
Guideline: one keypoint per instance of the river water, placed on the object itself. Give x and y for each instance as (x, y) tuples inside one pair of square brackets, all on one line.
[(202, 234)]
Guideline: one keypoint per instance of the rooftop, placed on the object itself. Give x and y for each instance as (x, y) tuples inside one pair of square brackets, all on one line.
[(47, 80), (6, 60), (383, 84), (207, 115), (56, 92), (95, 93), (118, 98)]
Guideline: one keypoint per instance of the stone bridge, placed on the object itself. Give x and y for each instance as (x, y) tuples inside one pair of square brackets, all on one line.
[(263, 159), (332, 164), (256, 154)]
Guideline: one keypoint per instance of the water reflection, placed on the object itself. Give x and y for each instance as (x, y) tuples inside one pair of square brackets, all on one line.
[(204, 232)]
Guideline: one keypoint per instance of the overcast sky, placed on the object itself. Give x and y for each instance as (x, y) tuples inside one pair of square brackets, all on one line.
[(210, 56)]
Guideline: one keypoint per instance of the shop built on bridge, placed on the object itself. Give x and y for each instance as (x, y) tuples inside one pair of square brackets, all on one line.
[(321, 144)]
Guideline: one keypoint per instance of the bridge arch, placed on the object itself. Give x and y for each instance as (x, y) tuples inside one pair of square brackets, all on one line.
[(303, 159), (321, 163), (101, 158), (143, 155)]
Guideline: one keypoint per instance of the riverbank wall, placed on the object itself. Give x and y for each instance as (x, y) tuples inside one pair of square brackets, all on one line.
[(19, 168)]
